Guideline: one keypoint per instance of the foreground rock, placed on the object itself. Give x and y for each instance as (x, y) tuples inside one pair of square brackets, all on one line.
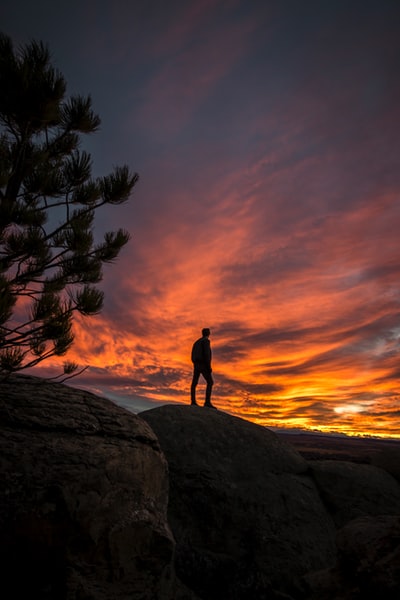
[(83, 498), (352, 490), (253, 520), (368, 564), (83, 507), (246, 515)]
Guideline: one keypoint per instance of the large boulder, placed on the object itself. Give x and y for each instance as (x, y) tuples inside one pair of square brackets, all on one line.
[(246, 516), (389, 460), (83, 506), (368, 564), (351, 490), (83, 498)]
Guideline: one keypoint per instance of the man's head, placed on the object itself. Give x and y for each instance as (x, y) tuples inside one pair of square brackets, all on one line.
[(206, 332)]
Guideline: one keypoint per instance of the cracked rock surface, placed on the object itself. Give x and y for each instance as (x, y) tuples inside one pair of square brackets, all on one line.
[(84, 492)]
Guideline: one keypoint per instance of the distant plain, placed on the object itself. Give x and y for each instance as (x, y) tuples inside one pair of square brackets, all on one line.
[(314, 446)]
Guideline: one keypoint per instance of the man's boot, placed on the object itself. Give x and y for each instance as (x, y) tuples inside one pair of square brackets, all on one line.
[(208, 404)]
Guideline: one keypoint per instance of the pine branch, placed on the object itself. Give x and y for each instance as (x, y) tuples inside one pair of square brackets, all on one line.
[(43, 172)]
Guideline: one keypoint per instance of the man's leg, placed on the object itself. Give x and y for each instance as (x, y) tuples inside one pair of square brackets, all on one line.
[(210, 382), (195, 381)]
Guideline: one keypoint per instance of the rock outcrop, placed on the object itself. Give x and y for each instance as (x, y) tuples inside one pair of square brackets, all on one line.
[(368, 564), (253, 520), (83, 500), (246, 515), (352, 490)]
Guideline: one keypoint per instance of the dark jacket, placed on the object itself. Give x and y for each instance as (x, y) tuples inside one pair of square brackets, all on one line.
[(201, 353)]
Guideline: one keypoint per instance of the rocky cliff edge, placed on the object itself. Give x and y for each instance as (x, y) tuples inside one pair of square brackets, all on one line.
[(181, 503)]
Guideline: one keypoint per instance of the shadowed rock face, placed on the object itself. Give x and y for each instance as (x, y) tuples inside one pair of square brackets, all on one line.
[(247, 517), (368, 564), (352, 490), (83, 503), (83, 497)]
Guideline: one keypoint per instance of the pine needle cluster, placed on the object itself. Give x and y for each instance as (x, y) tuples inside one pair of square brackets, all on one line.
[(50, 262)]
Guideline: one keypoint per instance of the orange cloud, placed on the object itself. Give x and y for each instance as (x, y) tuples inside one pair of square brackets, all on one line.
[(305, 335)]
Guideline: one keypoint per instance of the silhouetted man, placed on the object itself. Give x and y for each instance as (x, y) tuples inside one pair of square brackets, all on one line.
[(201, 359)]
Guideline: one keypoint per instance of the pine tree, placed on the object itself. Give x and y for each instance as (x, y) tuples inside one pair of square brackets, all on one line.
[(50, 262)]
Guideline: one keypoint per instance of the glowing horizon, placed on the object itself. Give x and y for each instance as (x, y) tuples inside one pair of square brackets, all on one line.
[(278, 387)]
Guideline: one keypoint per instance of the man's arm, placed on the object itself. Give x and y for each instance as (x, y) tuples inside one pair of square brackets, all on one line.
[(207, 353)]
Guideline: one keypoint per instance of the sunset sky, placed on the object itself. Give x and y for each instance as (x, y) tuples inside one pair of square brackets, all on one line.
[(266, 136)]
